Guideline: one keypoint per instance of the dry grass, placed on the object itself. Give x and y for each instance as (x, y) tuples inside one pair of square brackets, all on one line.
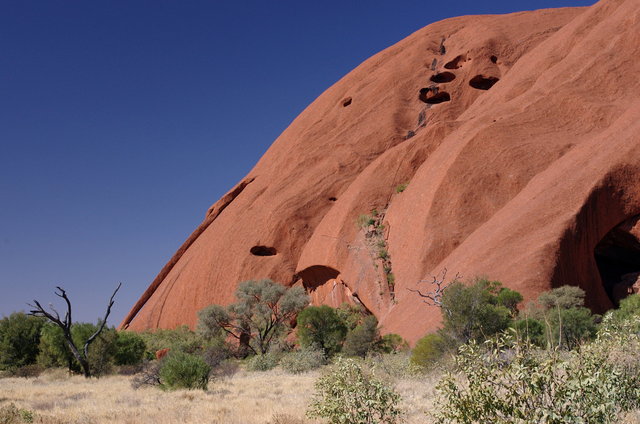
[(272, 397)]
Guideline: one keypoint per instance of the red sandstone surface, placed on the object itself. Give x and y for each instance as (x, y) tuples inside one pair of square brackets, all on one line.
[(518, 139)]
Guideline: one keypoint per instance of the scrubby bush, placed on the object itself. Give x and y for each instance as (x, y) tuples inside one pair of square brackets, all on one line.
[(19, 339), (349, 395), (565, 321), (302, 360), (129, 348), (10, 414), (323, 327), (531, 330), (181, 370), (179, 339), (428, 350), (264, 362), (506, 380), (391, 343), (362, 339), (393, 365)]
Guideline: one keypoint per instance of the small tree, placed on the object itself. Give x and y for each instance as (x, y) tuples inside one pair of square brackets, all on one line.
[(262, 311), (362, 339), (66, 324), (349, 395), (129, 348), (322, 327)]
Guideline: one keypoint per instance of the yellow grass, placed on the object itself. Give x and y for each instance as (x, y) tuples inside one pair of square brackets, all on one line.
[(273, 397)]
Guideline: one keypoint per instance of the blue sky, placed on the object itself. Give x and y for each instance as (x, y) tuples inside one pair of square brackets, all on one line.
[(121, 122)]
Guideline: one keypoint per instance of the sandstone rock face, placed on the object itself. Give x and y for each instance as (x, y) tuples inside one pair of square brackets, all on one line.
[(505, 146)]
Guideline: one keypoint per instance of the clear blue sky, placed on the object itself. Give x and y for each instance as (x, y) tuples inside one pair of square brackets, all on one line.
[(121, 122)]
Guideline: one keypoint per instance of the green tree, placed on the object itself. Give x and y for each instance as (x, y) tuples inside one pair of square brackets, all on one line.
[(129, 348), (322, 327), (19, 338), (474, 312), (362, 339), (262, 311)]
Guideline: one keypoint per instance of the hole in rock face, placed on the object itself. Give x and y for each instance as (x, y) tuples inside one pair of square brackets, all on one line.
[(443, 77), (481, 82), (618, 259), (456, 62), (346, 102), (433, 96), (333, 199), (263, 251), (317, 275), (494, 59)]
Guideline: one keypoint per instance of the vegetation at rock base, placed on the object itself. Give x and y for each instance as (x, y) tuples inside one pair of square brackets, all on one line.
[(260, 314), (349, 395)]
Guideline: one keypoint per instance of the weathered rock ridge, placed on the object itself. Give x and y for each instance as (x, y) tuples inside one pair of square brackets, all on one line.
[(506, 146)]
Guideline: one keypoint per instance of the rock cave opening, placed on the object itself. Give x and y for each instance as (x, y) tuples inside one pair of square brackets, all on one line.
[(443, 77), (618, 258), (263, 251), (333, 199), (481, 82), (456, 62), (494, 59), (433, 96), (317, 275), (346, 102)]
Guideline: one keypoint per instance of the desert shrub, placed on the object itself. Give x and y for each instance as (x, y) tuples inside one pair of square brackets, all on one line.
[(349, 395), (285, 419), (265, 362), (428, 350), (505, 381), (393, 365), (10, 414), (629, 307), (179, 339), (391, 343), (323, 327), (303, 360), (129, 348), (181, 370), (149, 374), (351, 315), (475, 312), (362, 339), (217, 351), (19, 339), (566, 322), (259, 316), (530, 330), (28, 371)]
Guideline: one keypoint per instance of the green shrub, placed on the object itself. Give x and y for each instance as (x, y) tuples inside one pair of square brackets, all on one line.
[(184, 371), (508, 381), (302, 360), (393, 365), (264, 362), (180, 339), (19, 339), (401, 187), (321, 326), (531, 330), (474, 312), (129, 348), (391, 343), (428, 351), (362, 339), (349, 395)]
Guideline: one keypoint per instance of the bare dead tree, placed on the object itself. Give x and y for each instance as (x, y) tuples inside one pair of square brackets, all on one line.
[(434, 297), (66, 323)]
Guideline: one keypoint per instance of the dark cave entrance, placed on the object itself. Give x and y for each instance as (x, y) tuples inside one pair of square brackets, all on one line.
[(618, 259)]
